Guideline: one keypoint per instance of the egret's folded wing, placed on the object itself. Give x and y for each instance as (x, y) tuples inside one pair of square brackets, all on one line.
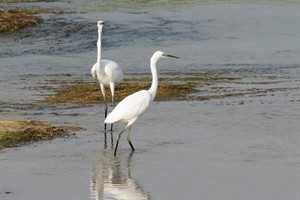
[(130, 107)]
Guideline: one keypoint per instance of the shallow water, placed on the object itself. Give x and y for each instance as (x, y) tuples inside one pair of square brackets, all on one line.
[(239, 147), (200, 150)]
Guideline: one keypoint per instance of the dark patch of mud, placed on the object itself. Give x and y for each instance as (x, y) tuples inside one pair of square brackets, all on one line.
[(254, 92)]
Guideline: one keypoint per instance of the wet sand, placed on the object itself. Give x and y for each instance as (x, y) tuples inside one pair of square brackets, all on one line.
[(230, 146)]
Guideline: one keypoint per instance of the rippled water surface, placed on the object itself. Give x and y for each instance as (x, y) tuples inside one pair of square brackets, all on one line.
[(239, 147)]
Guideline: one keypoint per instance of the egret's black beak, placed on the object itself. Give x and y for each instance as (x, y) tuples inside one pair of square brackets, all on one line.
[(171, 56)]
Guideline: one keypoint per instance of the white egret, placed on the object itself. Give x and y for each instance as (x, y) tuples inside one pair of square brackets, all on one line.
[(107, 72), (131, 107)]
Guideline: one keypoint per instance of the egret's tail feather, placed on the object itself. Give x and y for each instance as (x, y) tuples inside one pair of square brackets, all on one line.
[(109, 119)]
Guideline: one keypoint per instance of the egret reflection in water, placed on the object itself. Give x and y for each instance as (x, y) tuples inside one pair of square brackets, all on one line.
[(111, 179)]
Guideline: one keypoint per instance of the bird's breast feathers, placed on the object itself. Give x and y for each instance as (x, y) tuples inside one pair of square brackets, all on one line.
[(113, 71), (94, 71)]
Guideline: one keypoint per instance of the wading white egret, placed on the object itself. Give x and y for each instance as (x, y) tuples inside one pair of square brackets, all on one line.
[(130, 108), (107, 72)]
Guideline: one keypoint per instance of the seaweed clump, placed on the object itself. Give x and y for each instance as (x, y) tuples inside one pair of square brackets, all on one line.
[(15, 133), (15, 19), (87, 93)]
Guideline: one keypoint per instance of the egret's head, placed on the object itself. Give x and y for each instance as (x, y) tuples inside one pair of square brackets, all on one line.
[(159, 54), (100, 24)]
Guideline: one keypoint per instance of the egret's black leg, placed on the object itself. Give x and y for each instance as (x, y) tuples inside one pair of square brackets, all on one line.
[(112, 139), (102, 87), (105, 142), (111, 126), (105, 115), (105, 109), (119, 136), (129, 139), (113, 106)]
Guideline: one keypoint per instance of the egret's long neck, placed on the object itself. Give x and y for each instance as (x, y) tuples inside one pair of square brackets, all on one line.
[(154, 85), (99, 47)]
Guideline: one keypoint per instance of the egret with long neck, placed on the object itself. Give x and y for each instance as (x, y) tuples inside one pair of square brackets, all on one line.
[(108, 73), (134, 105)]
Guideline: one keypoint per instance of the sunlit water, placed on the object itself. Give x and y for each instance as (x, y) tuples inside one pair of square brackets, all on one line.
[(243, 147)]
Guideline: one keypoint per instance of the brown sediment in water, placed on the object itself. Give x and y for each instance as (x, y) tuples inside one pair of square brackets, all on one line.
[(12, 20), (15, 133), (170, 88), (184, 87), (15, 19)]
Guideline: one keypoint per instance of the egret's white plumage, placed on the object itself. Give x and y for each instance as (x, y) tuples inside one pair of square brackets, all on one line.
[(130, 108), (106, 71)]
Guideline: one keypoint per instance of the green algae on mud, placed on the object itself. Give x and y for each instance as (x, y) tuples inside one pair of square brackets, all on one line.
[(169, 89), (14, 133)]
